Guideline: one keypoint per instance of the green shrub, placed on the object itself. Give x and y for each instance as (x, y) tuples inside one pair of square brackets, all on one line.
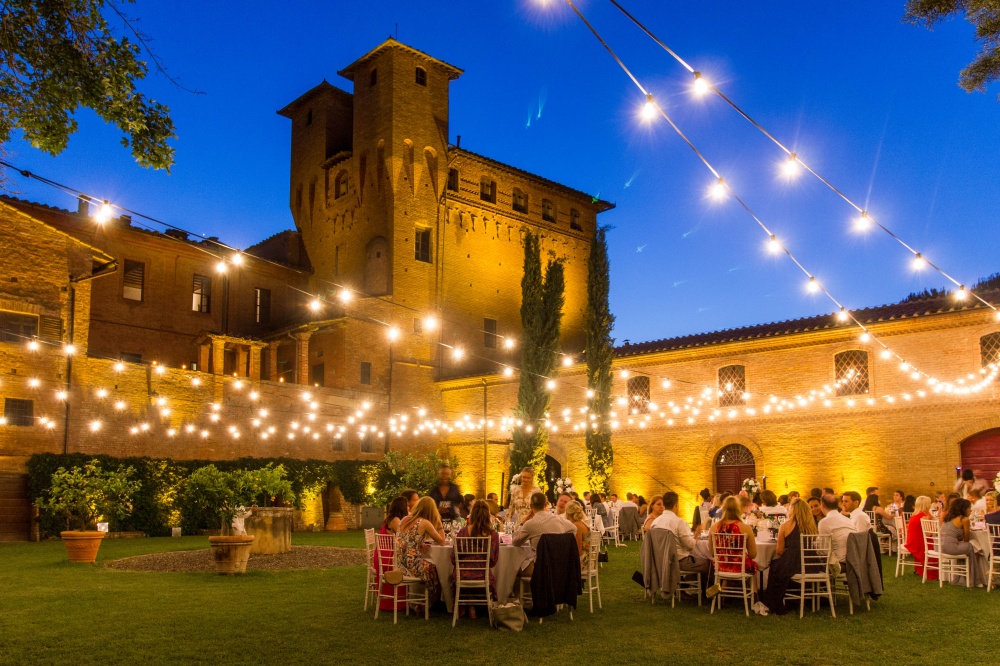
[(84, 494)]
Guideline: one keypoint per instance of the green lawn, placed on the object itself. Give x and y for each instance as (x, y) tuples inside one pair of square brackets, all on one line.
[(52, 612)]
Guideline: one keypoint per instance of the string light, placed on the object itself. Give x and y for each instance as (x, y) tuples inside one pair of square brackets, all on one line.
[(649, 108), (392, 334), (119, 366), (812, 285), (701, 85), (69, 350), (919, 263), (457, 353), (237, 259), (791, 168), (773, 245), (863, 222), (345, 296), (104, 213), (842, 315), (430, 323), (718, 190), (567, 361), (221, 267), (315, 305), (33, 345), (961, 294), (508, 343)]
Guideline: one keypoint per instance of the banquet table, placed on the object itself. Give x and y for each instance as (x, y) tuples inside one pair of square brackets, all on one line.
[(982, 538), (765, 553), (508, 564)]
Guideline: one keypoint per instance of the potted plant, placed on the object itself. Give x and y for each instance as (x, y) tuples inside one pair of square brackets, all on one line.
[(271, 524), (82, 496), (225, 495)]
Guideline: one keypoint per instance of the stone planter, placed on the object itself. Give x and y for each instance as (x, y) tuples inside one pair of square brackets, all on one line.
[(231, 553), (271, 527), (336, 522), (82, 546)]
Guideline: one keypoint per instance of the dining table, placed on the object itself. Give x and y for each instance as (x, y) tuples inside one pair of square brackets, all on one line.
[(765, 553), (508, 565)]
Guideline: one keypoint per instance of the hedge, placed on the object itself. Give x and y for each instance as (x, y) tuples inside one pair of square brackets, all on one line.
[(157, 504)]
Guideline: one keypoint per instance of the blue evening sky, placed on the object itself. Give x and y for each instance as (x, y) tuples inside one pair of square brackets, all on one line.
[(870, 102)]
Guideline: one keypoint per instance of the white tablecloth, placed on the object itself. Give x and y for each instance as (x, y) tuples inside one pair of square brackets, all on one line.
[(508, 564), (981, 537), (765, 553)]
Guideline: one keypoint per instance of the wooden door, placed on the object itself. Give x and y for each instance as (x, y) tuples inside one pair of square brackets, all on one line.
[(15, 508), (982, 452), (733, 464)]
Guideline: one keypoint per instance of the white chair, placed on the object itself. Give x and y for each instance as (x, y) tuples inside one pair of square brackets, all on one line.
[(884, 539), (472, 556), (901, 551), (814, 581), (390, 574), (948, 565), (372, 579), (994, 559), (611, 531), (840, 589), (730, 565), (591, 579)]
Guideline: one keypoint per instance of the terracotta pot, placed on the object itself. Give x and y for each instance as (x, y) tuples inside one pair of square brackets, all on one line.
[(336, 522), (82, 546), (231, 553)]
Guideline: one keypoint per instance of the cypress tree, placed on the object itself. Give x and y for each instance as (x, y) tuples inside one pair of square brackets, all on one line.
[(600, 352), (542, 300)]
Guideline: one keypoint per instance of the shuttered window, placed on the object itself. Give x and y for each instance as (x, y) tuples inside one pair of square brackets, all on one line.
[(263, 306), (201, 298), (50, 328), (133, 278)]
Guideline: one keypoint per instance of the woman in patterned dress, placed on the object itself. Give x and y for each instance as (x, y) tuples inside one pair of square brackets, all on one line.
[(423, 523), (520, 496)]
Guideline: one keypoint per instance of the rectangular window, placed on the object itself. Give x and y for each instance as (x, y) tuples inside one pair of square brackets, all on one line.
[(201, 299), (132, 279), (317, 374), (732, 386), (422, 245), (453, 180), (368, 442), (262, 306), (490, 333), (15, 327), (19, 412), (50, 328), (488, 190), (548, 211), (373, 77), (574, 220), (366, 373), (638, 394), (851, 370), (421, 76), (519, 201), (418, 325)]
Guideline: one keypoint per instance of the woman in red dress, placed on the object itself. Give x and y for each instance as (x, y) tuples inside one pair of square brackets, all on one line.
[(915, 536), (731, 523), (396, 512)]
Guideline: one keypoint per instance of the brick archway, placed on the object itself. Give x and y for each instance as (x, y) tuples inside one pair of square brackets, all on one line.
[(728, 474)]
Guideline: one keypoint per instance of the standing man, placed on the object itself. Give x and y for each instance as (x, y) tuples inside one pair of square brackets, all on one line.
[(450, 502)]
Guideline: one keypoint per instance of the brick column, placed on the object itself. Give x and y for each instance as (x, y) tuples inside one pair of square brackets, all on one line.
[(255, 362), (203, 356), (302, 357), (218, 357), (272, 361), (241, 361)]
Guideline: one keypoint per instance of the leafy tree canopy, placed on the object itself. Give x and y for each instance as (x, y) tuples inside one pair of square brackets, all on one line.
[(985, 16), (57, 56)]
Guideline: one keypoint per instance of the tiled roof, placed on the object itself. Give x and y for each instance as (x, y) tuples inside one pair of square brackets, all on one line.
[(347, 72), (323, 87), (921, 307)]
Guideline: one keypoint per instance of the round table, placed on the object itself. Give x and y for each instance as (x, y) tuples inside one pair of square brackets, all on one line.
[(508, 564)]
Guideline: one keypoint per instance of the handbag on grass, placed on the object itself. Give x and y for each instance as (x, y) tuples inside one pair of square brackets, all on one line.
[(508, 616)]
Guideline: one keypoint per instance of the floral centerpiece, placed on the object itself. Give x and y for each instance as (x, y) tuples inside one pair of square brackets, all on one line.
[(752, 486), (996, 482), (564, 485)]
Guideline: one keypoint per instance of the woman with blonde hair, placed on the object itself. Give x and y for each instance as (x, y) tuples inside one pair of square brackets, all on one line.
[(915, 537), (800, 522), (424, 522), (574, 514), (731, 522), (520, 496)]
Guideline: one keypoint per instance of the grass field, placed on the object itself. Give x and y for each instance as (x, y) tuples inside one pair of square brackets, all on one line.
[(52, 612)]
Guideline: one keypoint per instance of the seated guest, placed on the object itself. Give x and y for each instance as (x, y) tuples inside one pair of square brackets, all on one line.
[(539, 522), (800, 521), (599, 508), (815, 508), (955, 535), (783, 501), (993, 515), (769, 506), (683, 536), (586, 499), (479, 525), (629, 501), (493, 496), (412, 496), (643, 506), (885, 519), (423, 523), (908, 504), (717, 501), (704, 506), (791, 495), (561, 503), (655, 511), (494, 508), (575, 515), (837, 525), (977, 500), (915, 537), (394, 514), (816, 492), (829, 491), (871, 499), (612, 505), (946, 506), (470, 499), (730, 522), (746, 506), (850, 503), (991, 502)]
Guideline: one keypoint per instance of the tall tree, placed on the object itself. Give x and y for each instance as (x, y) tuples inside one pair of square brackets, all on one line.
[(542, 300), (600, 353), (985, 15), (59, 55)]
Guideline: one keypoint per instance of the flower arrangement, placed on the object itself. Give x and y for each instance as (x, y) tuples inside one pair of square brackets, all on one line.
[(564, 485), (996, 482), (752, 486)]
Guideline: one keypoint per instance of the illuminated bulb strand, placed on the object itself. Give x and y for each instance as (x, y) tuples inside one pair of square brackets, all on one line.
[(865, 218), (721, 185)]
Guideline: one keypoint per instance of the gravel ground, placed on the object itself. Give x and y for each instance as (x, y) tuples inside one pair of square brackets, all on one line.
[(187, 561)]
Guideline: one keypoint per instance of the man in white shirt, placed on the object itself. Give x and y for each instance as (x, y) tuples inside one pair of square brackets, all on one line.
[(629, 501), (851, 504), (683, 536), (978, 501), (539, 522), (561, 503), (837, 525)]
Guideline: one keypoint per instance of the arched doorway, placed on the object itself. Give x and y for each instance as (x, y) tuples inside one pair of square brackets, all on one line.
[(733, 464), (982, 452), (553, 471)]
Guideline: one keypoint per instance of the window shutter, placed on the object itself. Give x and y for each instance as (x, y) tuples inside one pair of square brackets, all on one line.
[(50, 328), (133, 278)]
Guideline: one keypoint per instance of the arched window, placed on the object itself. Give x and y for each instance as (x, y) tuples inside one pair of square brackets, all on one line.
[(488, 189), (851, 372), (732, 385), (638, 395), (340, 185), (548, 211), (574, 220), (519, 201), (421, 76), (989, 349)]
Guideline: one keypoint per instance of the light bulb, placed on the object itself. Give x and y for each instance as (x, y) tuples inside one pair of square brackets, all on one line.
[(649, 108), (865, 337), (812, 286), (457, 353), (508, 372), (119, 367), (509, 342), (863, 223), (773, 245), (95, 426), (69, 350), (220, 267), (315, 305), (791, 167), (842, 315), (345, 296), (550, 385), (237, 259), (567, 361), (700, 84), (33, 345), (430, 323), (961, 294), (919, 262), (61, 395), (718, 190), (104, 213), (392, 334)]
